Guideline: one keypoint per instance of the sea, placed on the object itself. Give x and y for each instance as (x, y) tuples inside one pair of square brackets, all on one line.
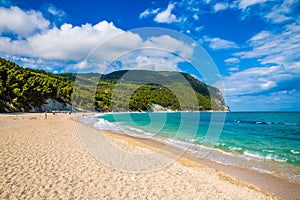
[(268, 142)]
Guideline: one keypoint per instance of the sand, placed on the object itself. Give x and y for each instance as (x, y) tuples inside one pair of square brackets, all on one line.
[(46, 159)]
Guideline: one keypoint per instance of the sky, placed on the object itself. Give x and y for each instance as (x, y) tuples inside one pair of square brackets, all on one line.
[(255, 44)]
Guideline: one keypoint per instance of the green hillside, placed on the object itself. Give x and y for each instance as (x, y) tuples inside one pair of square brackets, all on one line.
[(25, 89), (28, 90)]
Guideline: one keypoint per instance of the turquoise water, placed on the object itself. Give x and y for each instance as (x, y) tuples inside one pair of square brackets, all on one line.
[(267, 141)]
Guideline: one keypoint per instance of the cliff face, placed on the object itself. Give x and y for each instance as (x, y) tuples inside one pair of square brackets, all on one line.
[(52, 104), (27, 90)]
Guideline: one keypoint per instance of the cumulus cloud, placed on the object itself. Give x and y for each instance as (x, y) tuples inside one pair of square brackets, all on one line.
[(166, 16), (150, 61), (22, 23), (103, 43), (64, 43), (218, 43), (183, 14), (167, 42), (154, 53)]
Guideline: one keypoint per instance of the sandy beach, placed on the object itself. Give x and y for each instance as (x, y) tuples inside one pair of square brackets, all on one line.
[(46, 159)]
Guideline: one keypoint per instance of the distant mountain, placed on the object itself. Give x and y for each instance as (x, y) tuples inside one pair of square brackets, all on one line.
[(137, 90)]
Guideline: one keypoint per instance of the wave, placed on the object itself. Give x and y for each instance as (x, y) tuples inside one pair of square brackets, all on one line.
[(258, 155), (266, 123), (136, 132), (103, 124), (294, 151), (235, 148)]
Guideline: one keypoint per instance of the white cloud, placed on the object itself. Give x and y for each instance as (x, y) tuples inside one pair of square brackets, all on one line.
[(255, 80), (276, 17), (148, 12), (80, 65), (156, 53), (73, 44), (196, 17), (244, 4), (241, 4), (16, 21), (232, 60), (111, 48), (183, 14), (207, 1), (167, 42), (232, 69), (55, 11), (147, 61), (199, 28), (271, 11), (282, 12), (268, 85), (282, 48), (218, 43), (66, 46), (134, 53), (64, 43), (166, 16), (266, 102), (220, 6)]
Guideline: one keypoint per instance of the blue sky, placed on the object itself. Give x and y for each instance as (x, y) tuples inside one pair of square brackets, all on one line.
[(254, 43)]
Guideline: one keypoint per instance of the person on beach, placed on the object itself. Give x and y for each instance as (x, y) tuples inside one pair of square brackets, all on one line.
[(45, 115)]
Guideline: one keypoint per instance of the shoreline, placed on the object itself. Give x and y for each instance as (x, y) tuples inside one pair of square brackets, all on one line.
[(275, 184), (46, 159), (224, 152), (263, 182)]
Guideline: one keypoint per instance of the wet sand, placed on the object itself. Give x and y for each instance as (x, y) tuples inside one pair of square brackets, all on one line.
[(47, 159)]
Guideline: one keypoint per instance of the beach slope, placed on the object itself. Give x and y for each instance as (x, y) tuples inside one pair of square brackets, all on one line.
[(45, 159)]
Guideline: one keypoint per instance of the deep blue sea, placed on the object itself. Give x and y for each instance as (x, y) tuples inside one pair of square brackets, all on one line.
[(265, 141)]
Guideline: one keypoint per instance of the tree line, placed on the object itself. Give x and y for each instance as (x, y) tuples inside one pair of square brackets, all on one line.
[(22, 89)]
